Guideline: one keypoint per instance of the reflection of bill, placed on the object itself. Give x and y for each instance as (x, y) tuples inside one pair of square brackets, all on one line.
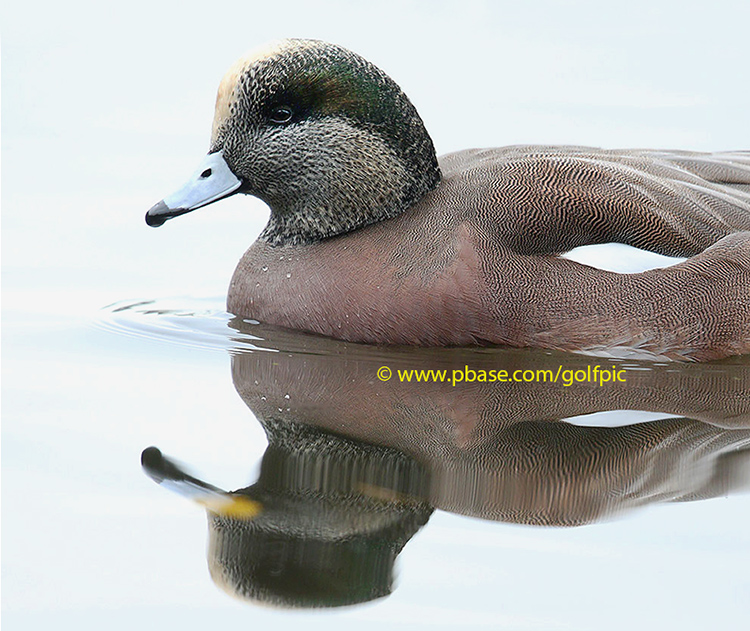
[(356, 464)]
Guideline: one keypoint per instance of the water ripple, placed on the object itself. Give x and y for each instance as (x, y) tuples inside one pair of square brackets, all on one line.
[(194, 322)]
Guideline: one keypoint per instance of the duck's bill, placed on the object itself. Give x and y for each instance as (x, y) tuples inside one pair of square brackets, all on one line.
[(212, 180), (169, 474)]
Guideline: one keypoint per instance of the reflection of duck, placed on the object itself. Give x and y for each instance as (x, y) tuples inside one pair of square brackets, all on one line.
[(336, 150), (500, 450), (355, 465)]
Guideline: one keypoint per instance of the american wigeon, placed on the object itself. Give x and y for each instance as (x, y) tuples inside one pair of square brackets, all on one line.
[(372, 239)]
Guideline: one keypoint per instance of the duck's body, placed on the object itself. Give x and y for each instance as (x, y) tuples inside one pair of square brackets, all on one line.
[(463, 266), (468, 251)]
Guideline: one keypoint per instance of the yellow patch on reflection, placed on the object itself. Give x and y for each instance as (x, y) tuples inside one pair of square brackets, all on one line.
[(236, 506), (385, 494)]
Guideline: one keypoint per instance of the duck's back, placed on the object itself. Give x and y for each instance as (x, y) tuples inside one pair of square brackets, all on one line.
[(539, 199)]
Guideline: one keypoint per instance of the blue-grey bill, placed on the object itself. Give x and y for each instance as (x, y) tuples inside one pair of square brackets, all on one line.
[(212, 180)]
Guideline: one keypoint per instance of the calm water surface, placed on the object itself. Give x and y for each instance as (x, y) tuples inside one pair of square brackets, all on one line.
[(318, 484)]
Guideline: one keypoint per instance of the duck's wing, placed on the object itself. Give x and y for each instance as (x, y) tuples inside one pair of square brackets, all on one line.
[(728, 168), (539, 199)]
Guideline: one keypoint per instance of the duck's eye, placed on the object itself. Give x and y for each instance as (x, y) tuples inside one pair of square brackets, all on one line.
[(280, 114), (206, 174)]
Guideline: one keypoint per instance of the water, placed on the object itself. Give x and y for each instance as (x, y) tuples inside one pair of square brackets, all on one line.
[(499, 452), (99, 363), (439, 481)]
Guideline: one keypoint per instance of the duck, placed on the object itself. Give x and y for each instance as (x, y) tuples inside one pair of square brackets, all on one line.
[(373, 239)]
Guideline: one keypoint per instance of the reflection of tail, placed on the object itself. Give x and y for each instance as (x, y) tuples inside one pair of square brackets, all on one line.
[(730, 475)]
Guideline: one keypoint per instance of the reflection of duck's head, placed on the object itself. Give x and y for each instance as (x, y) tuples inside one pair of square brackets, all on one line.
[(321, 527), (304, 124)]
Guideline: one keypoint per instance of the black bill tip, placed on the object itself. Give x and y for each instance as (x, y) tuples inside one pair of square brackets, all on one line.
[(158, 467), (151, 458), (158, 214)]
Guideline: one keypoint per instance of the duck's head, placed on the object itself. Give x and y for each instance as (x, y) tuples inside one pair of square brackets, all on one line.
[(321, 135)]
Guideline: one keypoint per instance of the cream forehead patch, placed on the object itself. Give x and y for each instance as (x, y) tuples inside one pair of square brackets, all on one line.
[(226, 95)]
